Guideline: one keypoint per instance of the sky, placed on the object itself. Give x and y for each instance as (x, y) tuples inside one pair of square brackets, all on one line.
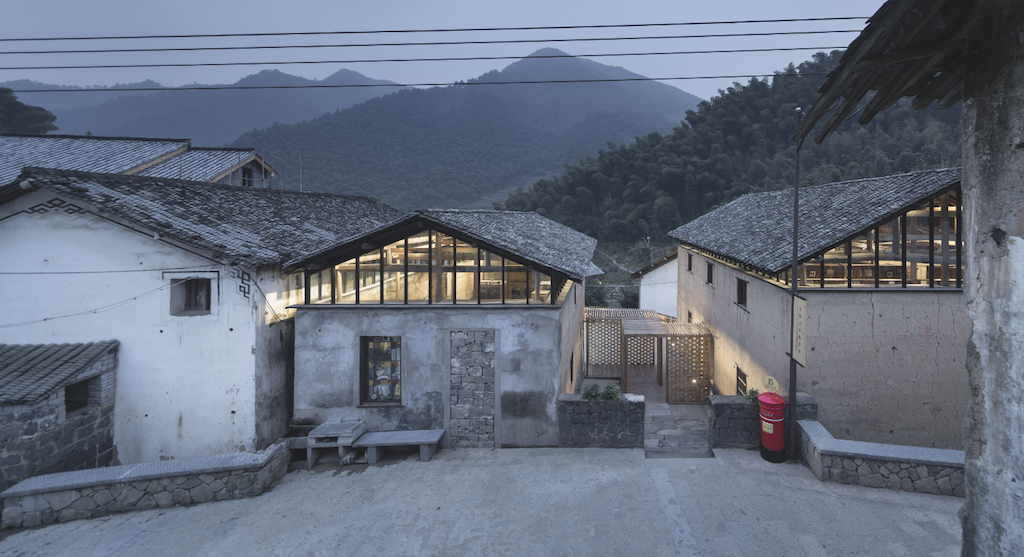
[(75, 18)]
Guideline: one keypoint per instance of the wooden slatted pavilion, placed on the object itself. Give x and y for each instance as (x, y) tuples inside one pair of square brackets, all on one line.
[(657, 353)]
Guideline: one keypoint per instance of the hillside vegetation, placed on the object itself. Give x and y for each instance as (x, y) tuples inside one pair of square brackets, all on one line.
[(451, 146), (736, 143)]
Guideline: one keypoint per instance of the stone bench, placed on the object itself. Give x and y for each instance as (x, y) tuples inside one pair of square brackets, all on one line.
[(331, 435), (375, 441)]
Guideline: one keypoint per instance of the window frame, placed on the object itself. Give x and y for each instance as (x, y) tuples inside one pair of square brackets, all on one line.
[(177, 283), (741, 292), (710, 279), (366, 398), (689, 262), (746, 385)]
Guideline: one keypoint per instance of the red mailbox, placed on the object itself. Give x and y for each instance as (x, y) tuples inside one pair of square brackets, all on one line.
[(773, 437)]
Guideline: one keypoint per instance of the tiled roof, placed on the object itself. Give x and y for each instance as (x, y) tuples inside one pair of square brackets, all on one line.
[(670, 257), (757, 229), (247, 226), (528, 236), (71, 152), (30, 372), (200, 165)]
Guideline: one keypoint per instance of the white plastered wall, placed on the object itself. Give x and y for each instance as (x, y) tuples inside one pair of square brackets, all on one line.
[(185, 384), (659, 289)]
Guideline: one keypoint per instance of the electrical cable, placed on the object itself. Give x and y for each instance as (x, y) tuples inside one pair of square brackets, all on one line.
[(109, 307), (449, 59), (452, 30), (433, 43), (105, 272)]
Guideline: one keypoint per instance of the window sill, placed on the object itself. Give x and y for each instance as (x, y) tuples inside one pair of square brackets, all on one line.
[(190, 313), (741, 306), (379, 404)]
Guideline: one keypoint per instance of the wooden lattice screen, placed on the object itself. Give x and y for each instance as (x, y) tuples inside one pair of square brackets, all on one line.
[(640, 350), (604, 348), (688, 361)]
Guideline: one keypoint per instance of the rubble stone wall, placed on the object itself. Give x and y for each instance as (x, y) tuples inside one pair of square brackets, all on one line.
[(611, 424), (472, 389)]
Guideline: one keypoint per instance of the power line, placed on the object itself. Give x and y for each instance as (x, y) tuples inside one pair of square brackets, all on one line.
[(447, 59), (431, 43), (100, 309), (452, 30), (106, 272), (365, 85)]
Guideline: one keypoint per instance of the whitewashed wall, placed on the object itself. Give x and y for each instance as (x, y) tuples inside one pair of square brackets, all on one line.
[(185, 384), (659, 289)]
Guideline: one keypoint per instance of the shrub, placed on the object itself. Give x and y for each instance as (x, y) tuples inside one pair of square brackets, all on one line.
[(752, 395), (611, 392), (592, 392)]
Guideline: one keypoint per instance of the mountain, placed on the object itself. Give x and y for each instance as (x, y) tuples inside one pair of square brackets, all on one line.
[(453, 146), (736, 143), (209, 117)]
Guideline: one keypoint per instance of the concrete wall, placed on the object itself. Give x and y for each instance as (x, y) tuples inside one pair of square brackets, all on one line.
[(885, 366), (659, 289), (186, 384), (274, 380), (570, 368), (527, 354)]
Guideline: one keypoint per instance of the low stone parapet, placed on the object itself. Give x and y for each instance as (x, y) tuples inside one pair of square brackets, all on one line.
[(608, 424), (98, 492), (735, 423), (901, 467)]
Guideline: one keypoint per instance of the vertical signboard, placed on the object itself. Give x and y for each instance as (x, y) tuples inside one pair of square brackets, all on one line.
[(799, 348)]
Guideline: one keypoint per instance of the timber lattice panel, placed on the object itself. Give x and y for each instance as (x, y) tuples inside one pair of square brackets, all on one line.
[(640, 350), (604, 348), (688, 361)]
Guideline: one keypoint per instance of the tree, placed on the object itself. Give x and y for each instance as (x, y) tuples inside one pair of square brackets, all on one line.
[(18, 117)]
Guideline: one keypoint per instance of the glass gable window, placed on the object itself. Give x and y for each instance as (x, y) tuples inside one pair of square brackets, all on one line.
[(432, 267), (921, 248)]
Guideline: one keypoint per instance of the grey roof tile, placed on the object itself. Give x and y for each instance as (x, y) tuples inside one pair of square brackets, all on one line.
[(91, 154), (247, 226), (757, 228), (30, 372), (200, 165)]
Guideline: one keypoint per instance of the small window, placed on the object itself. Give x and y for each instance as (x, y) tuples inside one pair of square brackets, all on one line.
[(248, 179), (741, 382), (741, 292), (381, 370), (689, 317), (711, 273), (190, 296), (76, 396), (689, 262)]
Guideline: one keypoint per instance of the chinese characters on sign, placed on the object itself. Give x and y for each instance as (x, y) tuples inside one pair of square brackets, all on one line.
[(799, 348)]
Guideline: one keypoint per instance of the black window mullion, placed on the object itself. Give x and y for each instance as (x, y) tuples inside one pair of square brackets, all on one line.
[(359, 280), (381, 277), (334, 285), (455, 271), (931, 244), (877, 253), (478, 276), (308, 286), (405, 272), (903, 249), (821, 271), (849, 264), (959, 225), (503, 279), (430, 266)]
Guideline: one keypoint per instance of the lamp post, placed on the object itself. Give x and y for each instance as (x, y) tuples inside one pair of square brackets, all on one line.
[(791, 445)]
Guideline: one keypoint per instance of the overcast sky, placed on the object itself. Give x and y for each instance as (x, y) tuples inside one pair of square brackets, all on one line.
[(78, 18)]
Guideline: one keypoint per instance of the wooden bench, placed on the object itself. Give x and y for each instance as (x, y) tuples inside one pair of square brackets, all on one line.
[(331, 435), (375, 441)]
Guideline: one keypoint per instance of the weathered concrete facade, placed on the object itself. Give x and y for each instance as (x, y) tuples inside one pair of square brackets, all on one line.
[(533, 347), (993, 154), (885, 365)]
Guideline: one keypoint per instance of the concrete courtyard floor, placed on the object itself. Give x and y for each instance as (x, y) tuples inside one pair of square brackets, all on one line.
[(531, 502)]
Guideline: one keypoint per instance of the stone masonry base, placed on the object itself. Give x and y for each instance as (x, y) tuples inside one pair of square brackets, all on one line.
[(98, 492)]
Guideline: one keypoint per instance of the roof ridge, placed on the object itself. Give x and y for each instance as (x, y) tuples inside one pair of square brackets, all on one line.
[(100, 137)]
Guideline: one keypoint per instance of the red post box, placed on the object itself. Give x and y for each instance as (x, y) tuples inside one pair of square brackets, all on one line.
[(773, 436)]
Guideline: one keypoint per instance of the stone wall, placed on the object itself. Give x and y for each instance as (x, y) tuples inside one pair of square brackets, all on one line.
[(472, 389), (735, 423), (899, 467), (613, 424), (94, 493), (43, 438)]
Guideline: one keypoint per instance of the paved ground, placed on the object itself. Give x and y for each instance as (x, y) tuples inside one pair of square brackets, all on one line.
[(678, 430), (531, 502)]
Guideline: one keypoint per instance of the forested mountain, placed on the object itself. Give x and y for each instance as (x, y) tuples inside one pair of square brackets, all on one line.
[(207, 117), (449, 146), (735, 143)]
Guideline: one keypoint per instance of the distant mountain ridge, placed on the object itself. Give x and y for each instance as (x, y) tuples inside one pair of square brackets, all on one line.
[(453, 146), (208, 118)]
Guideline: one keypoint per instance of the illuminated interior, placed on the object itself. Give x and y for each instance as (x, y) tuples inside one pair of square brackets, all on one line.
[(921, 248), (431, 267)]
